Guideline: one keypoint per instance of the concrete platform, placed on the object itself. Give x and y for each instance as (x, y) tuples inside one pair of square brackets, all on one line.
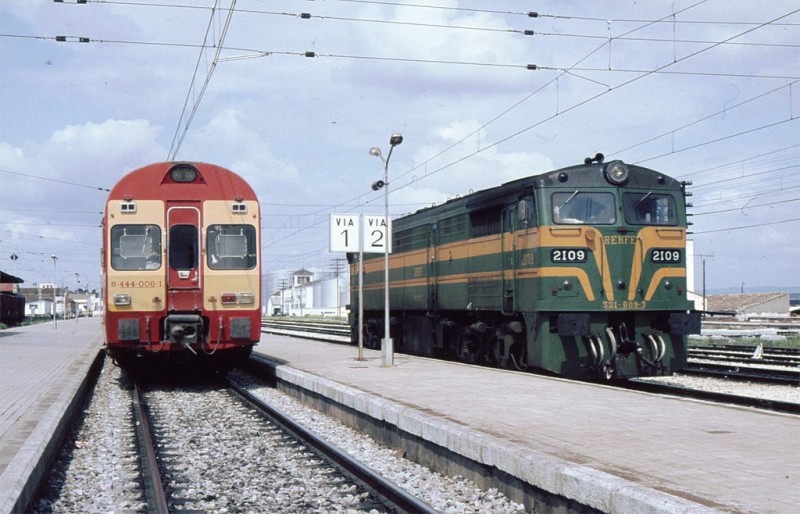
[(613, 450), (41, 371)]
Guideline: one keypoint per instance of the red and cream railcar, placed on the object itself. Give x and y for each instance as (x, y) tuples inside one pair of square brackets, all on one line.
[(181, 262)]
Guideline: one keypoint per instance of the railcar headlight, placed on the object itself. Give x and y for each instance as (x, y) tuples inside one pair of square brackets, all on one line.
[(183, 173), (121, 299), (617, 172), (238, 298), (246, 298)]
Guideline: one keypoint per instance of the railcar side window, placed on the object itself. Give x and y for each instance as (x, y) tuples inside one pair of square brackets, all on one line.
[(649, 209), (231, 247), (135, 247), (579, 207), (183, 247)]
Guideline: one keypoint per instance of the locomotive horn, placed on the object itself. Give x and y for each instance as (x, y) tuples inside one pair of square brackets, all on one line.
[(598, 158)]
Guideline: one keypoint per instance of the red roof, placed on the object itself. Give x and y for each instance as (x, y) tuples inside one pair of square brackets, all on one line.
[(154, 182)]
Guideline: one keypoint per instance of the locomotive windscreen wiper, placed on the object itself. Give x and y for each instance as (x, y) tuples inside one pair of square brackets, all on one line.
[(570, 198), (642, 199)]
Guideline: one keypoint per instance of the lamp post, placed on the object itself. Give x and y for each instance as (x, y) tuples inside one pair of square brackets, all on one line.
[(388, 345), (55, 302)]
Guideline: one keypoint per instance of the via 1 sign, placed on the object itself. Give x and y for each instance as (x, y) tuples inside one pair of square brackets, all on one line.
[(345, 232), (349, 231)]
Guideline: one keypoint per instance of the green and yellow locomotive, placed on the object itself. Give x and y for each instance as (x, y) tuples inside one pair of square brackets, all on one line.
[(579, 271)]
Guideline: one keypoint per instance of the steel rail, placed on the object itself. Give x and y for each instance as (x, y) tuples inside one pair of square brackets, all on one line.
[(398, 497), (726, 398), (151, 475)]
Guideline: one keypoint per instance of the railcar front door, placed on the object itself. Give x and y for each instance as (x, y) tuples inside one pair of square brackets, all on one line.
[(184, 279)]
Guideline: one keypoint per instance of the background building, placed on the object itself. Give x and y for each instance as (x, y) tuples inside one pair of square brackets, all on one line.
[(308, 293)]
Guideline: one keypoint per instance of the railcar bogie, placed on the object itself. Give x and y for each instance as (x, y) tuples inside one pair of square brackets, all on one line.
[(579, 271)]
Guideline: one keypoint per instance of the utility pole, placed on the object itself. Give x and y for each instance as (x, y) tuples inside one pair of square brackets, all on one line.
[(282, 288), (336, 263)]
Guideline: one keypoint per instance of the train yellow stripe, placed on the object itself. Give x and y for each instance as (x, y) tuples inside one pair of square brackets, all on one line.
[(582, 237), (662, 274), (527, 273), (649, 238)]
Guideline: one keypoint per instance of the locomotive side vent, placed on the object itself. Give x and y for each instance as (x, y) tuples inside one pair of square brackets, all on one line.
[(128, 207), (239, 208)]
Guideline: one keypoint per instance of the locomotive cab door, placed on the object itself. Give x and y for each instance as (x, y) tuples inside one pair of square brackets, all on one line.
[(183, 249), (433, 269)]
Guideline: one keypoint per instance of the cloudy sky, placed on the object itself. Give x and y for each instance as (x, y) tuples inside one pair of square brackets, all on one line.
[(292, 94)]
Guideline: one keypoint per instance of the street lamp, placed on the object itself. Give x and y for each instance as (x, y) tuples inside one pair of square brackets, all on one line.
[(55, 303), (388, 345)]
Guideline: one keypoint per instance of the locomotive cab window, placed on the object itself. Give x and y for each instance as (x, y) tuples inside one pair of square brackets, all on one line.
[(580, 207), (135, 247), (231, 247), (183, 247), (650, 209)]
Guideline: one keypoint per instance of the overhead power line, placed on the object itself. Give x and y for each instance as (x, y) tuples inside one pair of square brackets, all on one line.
[(48, 179), (178, 140), (742, 227)]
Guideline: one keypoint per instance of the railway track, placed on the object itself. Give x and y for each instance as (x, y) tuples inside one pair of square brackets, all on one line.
[(747, 363), (200, 445), (397, 498), (179, 471)]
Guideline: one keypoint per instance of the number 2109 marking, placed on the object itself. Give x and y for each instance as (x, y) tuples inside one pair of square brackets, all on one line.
[(665, 255)]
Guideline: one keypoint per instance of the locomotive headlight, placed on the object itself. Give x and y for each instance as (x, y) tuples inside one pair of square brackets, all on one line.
[(668, 284), (567, 285), (121, 299), (617, 172)]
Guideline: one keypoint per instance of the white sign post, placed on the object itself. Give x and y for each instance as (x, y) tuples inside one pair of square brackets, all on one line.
[(363, 234)]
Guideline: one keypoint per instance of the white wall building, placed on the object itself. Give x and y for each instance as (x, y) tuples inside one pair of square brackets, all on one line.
[(311, 294)]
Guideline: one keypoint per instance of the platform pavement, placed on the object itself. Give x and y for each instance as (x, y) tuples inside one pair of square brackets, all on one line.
[(612, 449), (41, 368)]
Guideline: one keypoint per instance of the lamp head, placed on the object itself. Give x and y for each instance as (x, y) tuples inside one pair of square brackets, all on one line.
[(396, 139), (375, 151)]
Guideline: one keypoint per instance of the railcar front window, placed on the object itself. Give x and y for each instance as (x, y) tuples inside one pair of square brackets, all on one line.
[(135, 247), (580, 207), (231, 247), (649, 209), (183, 247)]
